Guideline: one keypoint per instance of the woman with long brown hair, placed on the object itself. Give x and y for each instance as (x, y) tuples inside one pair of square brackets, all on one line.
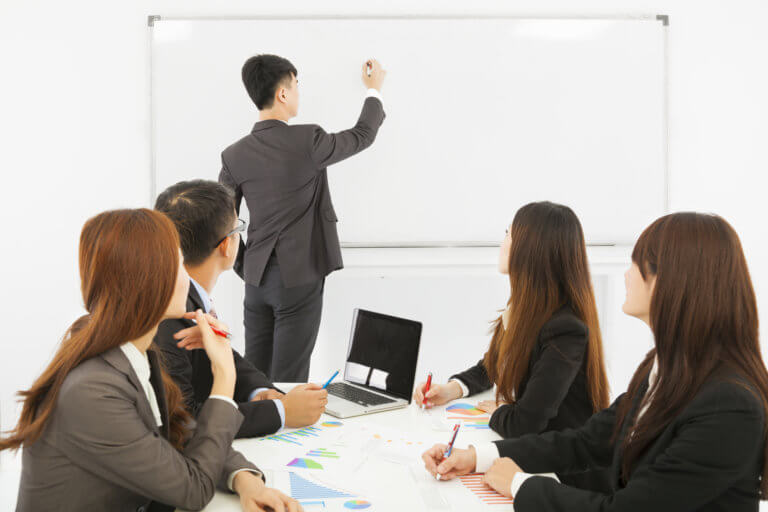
[(545, 356), (104, 427), (690, 432)]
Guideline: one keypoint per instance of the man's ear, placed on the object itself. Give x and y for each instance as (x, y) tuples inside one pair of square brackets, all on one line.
[(224, 247), (282, 95)]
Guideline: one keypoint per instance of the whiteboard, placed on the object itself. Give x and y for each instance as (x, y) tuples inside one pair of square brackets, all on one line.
[(483, 116)]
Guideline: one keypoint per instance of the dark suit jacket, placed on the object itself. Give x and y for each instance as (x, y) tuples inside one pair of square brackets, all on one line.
[(102, 449), (191, 369), (553, 395), (280, 170), (709, 458)]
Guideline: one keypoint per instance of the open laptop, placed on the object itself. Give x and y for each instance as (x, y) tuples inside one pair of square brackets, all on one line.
[(380, 368)]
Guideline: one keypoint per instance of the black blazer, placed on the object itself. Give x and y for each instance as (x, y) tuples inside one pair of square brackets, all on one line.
[(709, 458), (280, 170), (191, 369), (553, 394)]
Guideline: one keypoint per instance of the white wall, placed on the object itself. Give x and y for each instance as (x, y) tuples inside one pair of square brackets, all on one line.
[(74, 124)]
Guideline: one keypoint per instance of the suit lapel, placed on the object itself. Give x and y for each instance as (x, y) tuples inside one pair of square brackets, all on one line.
[(194, 302), (117, 360), (619, 452)]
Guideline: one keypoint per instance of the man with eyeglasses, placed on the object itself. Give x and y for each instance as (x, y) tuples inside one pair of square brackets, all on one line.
[(209, 232)]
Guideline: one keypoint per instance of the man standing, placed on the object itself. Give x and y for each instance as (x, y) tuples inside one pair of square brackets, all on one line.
[(280, 170)]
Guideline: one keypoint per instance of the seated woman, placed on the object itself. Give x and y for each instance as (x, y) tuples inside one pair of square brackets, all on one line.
[(546, 355), (690, 432), (104, 428)]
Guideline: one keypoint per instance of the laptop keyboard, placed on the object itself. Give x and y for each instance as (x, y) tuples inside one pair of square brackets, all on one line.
[(357, 395)]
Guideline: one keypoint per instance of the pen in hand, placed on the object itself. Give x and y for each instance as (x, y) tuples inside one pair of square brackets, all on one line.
[(331, 379), (450, 445)]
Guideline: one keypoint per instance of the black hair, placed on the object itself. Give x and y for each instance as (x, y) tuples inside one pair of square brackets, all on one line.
[(261, 76), (203, 212)]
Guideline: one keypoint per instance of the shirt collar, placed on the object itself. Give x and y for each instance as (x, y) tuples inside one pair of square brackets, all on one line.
[(204, 297), (138, 360)]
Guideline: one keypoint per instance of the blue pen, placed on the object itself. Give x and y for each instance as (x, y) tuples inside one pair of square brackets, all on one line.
[(447, 452), (331, 379)]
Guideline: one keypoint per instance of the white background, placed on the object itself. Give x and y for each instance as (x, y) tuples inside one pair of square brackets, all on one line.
[(74, 126)]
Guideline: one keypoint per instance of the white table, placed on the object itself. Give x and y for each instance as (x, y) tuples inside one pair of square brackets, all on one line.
[(379, 473)]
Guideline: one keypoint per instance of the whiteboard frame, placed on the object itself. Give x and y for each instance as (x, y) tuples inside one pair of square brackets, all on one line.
[(662, 18)]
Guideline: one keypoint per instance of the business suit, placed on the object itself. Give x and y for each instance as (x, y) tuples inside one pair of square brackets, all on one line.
[(553, 394), (191, 369), (709, 458), (281, 171), (102, 448)]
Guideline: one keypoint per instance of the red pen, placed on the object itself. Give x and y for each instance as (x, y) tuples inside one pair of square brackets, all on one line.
[(426, 389), (223, 334)]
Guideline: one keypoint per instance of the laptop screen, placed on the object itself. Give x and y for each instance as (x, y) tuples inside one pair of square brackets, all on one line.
[(383, 351)]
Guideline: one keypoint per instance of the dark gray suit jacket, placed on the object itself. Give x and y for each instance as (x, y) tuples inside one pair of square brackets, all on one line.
[(280, 170), (102, 449), (191, 369)]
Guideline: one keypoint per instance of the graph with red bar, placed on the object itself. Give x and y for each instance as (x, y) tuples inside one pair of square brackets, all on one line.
[(474, 482)]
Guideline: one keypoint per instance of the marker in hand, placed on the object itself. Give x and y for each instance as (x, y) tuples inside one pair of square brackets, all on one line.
[(450, 445), (426, 390), (369, 68), (331, 379)]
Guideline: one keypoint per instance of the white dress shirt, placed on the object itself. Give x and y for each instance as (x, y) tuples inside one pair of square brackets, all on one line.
[(486, 453), (140, 364), (208, 306)]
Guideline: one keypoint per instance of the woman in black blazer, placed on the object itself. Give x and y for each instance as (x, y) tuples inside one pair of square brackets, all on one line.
[(545, 357), (690, 432)]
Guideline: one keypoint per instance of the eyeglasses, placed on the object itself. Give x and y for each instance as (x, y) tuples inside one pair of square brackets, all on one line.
[(238, 229)]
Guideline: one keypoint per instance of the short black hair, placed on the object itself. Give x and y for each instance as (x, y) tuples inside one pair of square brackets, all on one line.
[(261, 76), (203, 212)]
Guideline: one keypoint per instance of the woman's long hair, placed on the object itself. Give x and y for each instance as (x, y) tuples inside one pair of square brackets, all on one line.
[(703, 315), (548, 269), (129, 261)]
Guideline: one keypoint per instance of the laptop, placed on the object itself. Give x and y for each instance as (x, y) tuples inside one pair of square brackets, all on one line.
[(380, 368)]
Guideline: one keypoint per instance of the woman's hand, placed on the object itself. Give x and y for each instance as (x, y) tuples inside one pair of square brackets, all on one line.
[(459, 463), (501, 474), (257, 497), (438, 394), (489, 406), (217, 348)]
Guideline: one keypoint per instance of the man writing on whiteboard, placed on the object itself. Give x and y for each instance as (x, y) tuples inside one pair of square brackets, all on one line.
[(280, 171)]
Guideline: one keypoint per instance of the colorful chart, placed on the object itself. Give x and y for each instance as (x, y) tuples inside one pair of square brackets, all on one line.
[(464, 410), (322, 452), (357, 504), (476, 424), (331, 424), (318, 504), (474, 482), (304, 463), (294, 437), (304, 489)]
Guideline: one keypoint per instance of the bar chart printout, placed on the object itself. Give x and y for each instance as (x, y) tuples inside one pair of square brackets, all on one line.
[(305, 489), (474, 482), (295, 437)]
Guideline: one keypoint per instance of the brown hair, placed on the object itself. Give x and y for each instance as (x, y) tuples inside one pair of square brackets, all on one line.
[(548, 269), (703, 315), (129, 260)]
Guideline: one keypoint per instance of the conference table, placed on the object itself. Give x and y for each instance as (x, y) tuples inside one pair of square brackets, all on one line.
[(388, 485)]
